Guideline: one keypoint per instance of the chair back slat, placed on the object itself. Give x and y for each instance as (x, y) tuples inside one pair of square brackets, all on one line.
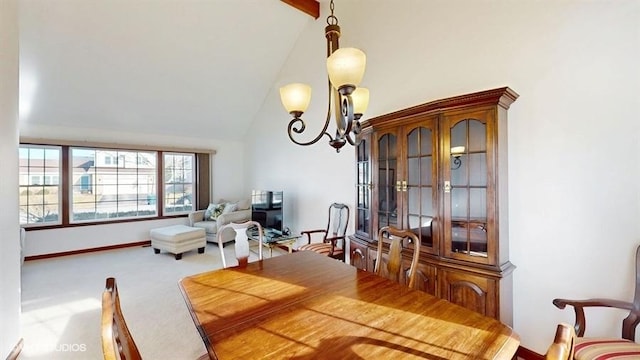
[(117, 342), (391, 264), (338, 220), (241, 241)]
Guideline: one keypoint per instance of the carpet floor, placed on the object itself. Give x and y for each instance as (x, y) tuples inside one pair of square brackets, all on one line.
[(61, 302)]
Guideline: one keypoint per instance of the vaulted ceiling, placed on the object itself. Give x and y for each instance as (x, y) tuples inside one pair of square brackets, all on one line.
[(187, 68)]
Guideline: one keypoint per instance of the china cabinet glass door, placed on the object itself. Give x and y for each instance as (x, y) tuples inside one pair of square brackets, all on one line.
[(466, 189), (363, 187), (419, 184), (387, 185)]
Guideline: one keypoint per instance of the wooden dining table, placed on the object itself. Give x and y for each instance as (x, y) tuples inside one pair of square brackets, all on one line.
[(308, 306)]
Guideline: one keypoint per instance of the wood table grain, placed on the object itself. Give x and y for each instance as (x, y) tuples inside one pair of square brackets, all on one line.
[(308, 306)]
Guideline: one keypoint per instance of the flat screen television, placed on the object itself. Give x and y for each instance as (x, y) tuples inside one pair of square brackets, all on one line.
[(266, 209)]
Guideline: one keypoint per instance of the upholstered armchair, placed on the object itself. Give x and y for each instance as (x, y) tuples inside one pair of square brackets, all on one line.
[(239, 213), (333, 237)]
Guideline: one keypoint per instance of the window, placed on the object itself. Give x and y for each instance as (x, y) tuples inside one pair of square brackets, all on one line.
[(40, 190), (63, 185), (178, 183), (112, 184)]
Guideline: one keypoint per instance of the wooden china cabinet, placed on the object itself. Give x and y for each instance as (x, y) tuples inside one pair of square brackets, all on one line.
[(440, 169)]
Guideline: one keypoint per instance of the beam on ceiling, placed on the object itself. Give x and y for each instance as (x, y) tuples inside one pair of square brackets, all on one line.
[(310, 7)]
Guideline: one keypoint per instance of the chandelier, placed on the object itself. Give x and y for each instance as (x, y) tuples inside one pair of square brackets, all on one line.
[(347, 101)]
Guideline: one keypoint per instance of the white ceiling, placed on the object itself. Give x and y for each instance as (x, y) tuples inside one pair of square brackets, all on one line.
[(197, 68)]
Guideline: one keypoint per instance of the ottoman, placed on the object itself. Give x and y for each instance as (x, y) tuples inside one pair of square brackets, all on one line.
[(178, 239)]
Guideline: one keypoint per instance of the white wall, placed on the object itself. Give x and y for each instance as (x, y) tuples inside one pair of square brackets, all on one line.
[(9, 229), (227, 182), (39, 242), (574, 161)]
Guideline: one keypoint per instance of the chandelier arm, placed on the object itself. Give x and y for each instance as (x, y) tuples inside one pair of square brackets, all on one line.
[(356, 129), (355, 140), (343, 114), (292, 129), (351, 141)]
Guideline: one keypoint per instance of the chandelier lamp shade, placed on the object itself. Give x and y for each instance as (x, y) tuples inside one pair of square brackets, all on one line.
[(346, 101)]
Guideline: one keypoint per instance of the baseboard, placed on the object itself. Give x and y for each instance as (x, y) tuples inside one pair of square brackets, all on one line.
[(83, 251), (526, 354), (13, 355)]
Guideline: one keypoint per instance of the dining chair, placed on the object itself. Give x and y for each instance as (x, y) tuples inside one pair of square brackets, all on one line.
[(241, 245), (117, 342), (562, 347), (592, 348), (333, 237), (391, 264)]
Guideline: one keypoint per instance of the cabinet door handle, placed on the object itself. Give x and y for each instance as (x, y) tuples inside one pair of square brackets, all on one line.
[(447, 187), (398, 185), (404, 185)]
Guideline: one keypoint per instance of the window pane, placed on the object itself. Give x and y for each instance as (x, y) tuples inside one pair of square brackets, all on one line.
[(110, 184), (39, 179), (51, 157), (477, 135), (178, 183)]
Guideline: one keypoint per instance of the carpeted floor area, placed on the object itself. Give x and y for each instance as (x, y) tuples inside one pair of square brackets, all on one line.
[(61, 302)]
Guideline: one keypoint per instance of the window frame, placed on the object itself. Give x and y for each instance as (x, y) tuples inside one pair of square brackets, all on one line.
[(193, 183), (40, 183), (108, 180)]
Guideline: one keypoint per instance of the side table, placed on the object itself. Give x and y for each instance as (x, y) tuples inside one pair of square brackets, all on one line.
[(272, 241)]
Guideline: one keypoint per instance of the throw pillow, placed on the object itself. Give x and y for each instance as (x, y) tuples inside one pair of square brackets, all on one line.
[(244, 204), (230, 207), (213, 211), (207, 213)]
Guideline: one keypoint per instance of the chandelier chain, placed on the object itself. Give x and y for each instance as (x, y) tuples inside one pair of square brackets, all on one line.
[(331, 19)]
